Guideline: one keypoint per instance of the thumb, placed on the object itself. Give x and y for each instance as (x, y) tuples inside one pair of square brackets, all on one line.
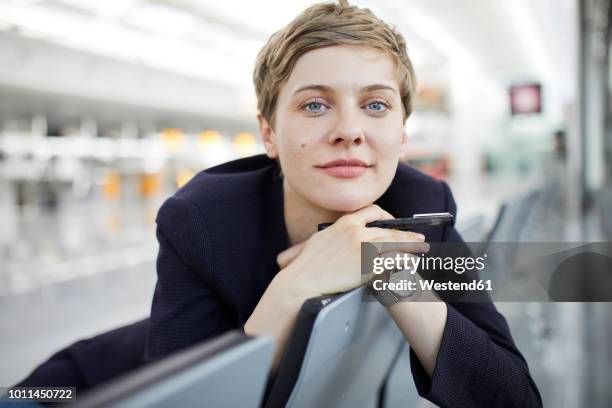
[(287, 256)]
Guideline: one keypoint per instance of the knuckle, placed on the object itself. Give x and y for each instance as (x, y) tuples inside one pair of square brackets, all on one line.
[(353, 228), (414, 236), (346, 220)]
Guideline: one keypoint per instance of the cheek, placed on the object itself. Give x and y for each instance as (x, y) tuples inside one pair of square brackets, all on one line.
[(386, 131), (294, 149), (386, 141), (301, 137)]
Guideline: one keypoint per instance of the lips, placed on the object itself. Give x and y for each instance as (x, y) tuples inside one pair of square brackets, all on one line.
[(345, 168), (344, 163)]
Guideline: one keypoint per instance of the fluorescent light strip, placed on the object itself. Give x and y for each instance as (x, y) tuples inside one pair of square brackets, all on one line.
[(106, 38), (427, 27)]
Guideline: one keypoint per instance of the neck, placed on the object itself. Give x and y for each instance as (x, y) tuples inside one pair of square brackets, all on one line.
[(302, 217)]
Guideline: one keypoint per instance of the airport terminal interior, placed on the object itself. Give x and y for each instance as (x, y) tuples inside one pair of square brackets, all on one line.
[(108, 107)]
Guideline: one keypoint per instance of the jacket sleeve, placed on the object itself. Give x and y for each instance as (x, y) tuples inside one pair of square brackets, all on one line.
[(478, 364), (186, 309)]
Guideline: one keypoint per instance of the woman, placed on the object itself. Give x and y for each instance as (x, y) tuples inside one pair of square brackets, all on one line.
[(238, 244)]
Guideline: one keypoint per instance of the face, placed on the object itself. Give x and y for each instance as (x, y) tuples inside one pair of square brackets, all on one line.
[(338, 130)]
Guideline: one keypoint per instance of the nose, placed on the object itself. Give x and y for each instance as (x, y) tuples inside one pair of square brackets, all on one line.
[(347, 130)]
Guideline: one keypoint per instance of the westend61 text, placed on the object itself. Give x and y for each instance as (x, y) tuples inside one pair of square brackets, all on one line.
[(429, 285)]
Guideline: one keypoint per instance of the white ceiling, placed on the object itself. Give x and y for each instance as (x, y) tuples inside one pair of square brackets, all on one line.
[(504, 35), (502, 39)]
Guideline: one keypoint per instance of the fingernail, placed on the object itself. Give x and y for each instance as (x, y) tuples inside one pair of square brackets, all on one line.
[(421, 236)]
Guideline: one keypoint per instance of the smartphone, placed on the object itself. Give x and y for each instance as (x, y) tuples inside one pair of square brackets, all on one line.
[(405, 224)]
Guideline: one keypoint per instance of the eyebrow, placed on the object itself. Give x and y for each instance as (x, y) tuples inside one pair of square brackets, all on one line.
[(328, 89)]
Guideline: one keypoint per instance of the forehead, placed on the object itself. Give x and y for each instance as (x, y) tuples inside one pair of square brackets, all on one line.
[(343, 68)]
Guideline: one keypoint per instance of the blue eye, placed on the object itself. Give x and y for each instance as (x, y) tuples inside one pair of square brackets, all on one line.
[(377, 106), (314, 107)]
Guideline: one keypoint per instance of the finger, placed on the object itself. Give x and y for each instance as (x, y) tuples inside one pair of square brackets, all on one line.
[(368, 214), (407, 241), (378, 245), (399, 246), (406, 236), (390, 234), (287, 256)]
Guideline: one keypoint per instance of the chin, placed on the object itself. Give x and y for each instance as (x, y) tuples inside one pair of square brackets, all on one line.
[(345, 203)]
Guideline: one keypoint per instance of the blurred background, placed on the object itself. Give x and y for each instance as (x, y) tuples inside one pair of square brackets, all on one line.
[(107, 107)]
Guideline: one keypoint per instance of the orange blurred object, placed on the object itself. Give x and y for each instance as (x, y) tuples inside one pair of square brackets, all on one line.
[(209, 137), (150, 184), (183, 177), (245, 143), (173, 138), (111, 186)]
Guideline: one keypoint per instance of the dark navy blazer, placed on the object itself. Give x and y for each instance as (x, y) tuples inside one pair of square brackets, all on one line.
[(219, 237)]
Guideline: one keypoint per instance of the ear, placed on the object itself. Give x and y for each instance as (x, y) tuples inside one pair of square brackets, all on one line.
[(267, 136)]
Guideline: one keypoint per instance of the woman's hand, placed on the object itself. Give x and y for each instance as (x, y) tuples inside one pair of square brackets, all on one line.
[(330, 260)]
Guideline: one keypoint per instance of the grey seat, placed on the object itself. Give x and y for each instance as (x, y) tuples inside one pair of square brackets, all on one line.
[(203, 375), (339, 354)]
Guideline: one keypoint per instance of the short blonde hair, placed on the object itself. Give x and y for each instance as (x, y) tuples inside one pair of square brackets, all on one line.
[(324, 25)]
